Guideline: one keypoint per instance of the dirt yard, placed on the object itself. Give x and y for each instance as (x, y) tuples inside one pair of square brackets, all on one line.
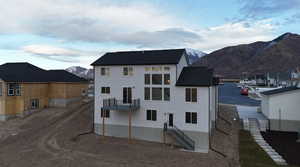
[(47, 139)]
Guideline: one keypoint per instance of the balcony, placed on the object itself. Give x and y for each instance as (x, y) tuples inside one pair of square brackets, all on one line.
[(121, 105)]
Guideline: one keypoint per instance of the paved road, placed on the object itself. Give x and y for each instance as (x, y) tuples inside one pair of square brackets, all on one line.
[(229, 93)]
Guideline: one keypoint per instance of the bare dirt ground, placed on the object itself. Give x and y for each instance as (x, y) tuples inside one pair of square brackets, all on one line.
[(46, 139)]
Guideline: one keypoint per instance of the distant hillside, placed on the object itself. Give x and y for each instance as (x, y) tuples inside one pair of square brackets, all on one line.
[(280, 54), (81, 72)]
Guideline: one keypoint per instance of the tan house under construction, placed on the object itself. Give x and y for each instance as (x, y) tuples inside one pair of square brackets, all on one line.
[(25, 88)]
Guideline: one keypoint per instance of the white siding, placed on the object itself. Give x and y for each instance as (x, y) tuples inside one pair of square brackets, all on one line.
[(284, 106), (177, 105)]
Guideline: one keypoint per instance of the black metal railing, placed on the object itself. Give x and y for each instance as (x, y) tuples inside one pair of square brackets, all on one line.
[(180, 134), (184, 136), (114, 103)]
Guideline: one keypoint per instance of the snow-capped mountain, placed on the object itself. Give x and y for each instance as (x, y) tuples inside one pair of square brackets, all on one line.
[(81, 72), (194, 55)]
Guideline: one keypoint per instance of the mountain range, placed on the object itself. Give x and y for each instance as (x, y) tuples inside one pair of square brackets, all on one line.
[(193, 55), (279, 55)]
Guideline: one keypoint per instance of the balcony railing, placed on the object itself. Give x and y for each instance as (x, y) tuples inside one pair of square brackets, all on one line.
[(114, 104)]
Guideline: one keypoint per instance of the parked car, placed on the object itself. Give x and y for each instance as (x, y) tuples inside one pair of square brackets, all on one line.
[(244, 91)]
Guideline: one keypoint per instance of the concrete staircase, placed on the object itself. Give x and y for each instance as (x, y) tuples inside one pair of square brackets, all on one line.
[(255, 132), (185, 141)]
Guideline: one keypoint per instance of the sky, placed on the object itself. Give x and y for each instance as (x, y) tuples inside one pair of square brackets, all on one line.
[(57, 34)]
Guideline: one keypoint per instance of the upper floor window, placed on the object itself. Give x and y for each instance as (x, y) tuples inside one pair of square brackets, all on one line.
[(191, 117), (167, 80), (147, 68), (191, 94), (156, 68), (105, 90), (127, 71), (13, 89), (156, 79), (147, 93), (151, 115), (147, 79), (166, 68), (156, 93), (104, 71), (166, 94), (1, 88)]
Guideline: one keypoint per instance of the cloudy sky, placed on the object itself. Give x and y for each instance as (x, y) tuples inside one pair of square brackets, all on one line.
[(61, 33)]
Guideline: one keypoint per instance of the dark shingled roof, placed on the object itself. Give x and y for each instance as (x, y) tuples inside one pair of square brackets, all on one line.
[(280, 90), (149, 57), (196, 76), (25, 72)]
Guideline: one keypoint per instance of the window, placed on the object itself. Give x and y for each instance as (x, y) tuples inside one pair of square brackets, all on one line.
[(13, 89), (191, 117), (128, 71), (191, 94), (104, 71), (156, 68), (147, 79), (105, 113), (167, 79), (34, 103), (166, 68), (1, 88), (156, 79), (18, 90), (105, 90), (156, 93), (151, 115), (147, 68), (147, 93), (167, 94)]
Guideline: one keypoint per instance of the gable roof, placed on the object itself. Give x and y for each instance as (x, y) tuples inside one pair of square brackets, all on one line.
[(25, 72), (280, 90), (149, 57), (196, 76)]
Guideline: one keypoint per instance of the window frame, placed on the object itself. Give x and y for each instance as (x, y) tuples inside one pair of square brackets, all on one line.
[(105, 90), (166, 98), (104, 71), (147, 77), (107, 113), (160, 79), (161, 93), (15, 88), (34, 103), (191, 117), (151, 115), (167, 82), (149, 96), (191, 95)]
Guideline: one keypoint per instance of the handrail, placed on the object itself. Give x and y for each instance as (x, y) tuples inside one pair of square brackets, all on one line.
[(181, 134), (113, 102), (184, 136)]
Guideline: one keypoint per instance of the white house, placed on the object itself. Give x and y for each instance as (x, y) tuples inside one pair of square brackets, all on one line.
[(155, 96), (282, 108)]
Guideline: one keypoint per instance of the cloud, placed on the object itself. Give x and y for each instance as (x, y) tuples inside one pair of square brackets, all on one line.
[(293, 19), (235, 33), (267, 8), (58, 53), (93, 21)]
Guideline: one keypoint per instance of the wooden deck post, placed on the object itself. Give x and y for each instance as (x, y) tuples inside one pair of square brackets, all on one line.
[(129, 127)]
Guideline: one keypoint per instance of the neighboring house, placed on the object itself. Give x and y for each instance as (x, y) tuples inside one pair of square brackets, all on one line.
[(282, 108), (25, 88), (152, 95)]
